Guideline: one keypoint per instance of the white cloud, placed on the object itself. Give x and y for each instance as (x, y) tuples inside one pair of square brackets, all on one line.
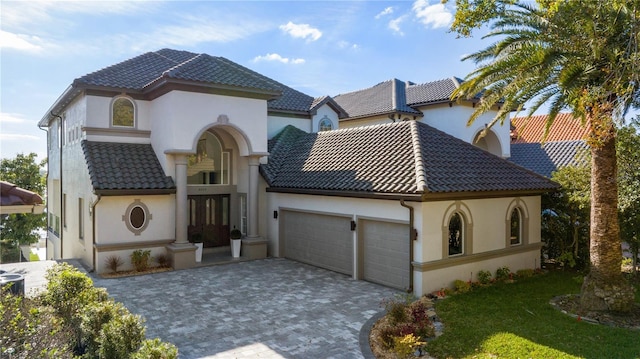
[(278, 58), (395, 24), (433, 16), (9, 40), (303, 31), (347, 45), (6, 117), (384, 12), (17, 137)]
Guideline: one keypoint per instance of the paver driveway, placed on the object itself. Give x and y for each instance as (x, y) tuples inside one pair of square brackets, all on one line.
[(272, 308)]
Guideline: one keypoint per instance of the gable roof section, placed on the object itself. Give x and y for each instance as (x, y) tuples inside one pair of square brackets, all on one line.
[(125, 168), (565, 127), (432, 92), (550, 156), (405, 158), (387, 97), (149, 74)]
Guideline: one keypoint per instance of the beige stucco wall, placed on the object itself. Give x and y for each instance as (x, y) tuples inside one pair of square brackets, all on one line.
[(488, 219), (180, 117), (112, 232)]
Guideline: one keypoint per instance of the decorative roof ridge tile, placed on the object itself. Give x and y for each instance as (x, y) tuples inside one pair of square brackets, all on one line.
[(421, 177), (167, 72)]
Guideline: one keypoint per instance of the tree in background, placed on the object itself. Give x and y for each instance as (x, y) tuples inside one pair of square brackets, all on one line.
[(629, 187), (565, 219), (577, 55), (20, 229)]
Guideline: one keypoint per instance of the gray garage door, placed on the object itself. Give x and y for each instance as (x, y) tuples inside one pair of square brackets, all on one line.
[(317, 239), (385, 248)]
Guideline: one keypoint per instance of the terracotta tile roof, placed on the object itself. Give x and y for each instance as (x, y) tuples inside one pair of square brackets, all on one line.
[(405, 157), (550, 156), (565, 127), (118, 167)]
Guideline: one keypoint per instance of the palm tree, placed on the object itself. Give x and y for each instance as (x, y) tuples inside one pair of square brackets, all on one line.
[(577, 55)]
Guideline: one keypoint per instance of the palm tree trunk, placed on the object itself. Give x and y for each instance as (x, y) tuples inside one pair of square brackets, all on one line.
[(605, 288)]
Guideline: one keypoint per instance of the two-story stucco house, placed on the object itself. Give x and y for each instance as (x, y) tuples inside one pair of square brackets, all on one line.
[(382, 184)]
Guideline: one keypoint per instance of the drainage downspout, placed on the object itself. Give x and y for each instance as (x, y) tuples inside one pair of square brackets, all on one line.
[(46, 246), (61, 141), (93, 231), (413, 235)]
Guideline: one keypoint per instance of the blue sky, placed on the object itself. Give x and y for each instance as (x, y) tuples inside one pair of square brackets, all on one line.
[(317, 47)]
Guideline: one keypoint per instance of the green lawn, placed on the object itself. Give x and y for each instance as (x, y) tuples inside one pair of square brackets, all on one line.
[(516, 321)]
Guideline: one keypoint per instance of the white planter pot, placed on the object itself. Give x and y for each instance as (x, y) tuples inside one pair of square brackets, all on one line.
[(199, 252), (235, 247)]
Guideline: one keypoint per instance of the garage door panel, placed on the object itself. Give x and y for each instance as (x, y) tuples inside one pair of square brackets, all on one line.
[(317, 239), (385, 253)]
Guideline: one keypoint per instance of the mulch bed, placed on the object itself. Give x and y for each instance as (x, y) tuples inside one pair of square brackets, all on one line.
[(131, 273), (570, 305)]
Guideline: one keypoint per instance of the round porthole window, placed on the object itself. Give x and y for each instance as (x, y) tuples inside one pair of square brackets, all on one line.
[(137, 217)]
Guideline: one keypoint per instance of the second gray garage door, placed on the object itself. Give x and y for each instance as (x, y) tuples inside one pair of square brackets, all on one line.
[(385, 252), (318, 239)]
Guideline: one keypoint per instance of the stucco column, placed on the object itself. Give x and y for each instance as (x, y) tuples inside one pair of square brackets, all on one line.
[(252, 197), (181, 199)]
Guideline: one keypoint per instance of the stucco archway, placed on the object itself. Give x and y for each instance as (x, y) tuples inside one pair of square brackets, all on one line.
[(488, 141)]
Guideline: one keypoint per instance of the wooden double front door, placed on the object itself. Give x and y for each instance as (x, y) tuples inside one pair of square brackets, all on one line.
[(209, 219)]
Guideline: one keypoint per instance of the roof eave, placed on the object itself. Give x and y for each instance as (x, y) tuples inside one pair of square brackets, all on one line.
[(414, 197), (157, 85), (63, 100), (445, 196), (131, 192)]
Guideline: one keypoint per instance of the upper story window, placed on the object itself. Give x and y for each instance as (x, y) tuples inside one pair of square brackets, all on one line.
[(325, 124), (122, 113), (211, 164)]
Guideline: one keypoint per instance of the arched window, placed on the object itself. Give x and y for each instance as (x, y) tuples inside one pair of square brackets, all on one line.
[(516, 227), (122, 113), (456, 235), (325, 124), (211, 165)]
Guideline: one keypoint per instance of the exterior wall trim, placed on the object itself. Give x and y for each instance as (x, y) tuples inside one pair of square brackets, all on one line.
[(456, 261), (128, 132), (131, 245)]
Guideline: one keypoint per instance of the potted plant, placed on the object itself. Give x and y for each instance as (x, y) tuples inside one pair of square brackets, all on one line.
[(236, 242), (197, 240)]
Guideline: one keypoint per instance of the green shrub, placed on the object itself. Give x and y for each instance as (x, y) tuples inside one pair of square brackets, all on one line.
[(524, 273), (405, 346), (121, 337), (503, 274), (68, 292), (396, 308), (461, 286), (484, 277), (30, 330), (140, 259), (92, 320), (156, 349)]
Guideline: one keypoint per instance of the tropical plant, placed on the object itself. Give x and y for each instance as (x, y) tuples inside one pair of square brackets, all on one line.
[(113, 262), (578, 55), (140, 259)]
